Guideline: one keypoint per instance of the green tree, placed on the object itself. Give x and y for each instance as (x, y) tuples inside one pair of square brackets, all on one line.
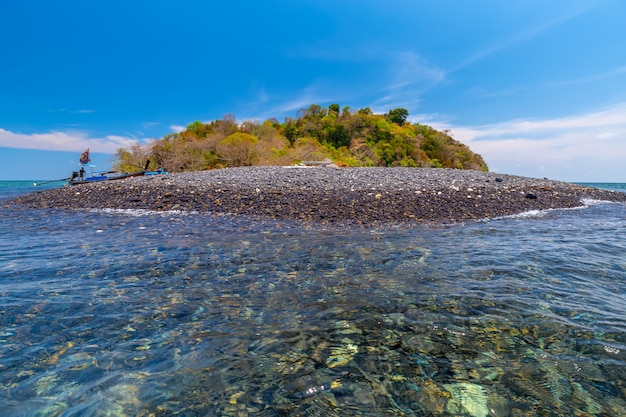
[(199, 129), (398, 116), (291, 130), (337, 136)]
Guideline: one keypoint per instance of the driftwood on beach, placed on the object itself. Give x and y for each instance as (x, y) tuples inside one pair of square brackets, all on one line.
[(351, 196)]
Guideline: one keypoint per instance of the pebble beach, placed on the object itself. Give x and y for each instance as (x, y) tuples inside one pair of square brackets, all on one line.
[(328, 195)]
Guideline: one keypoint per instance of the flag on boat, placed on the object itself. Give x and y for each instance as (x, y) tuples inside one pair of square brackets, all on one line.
[(84, 158)]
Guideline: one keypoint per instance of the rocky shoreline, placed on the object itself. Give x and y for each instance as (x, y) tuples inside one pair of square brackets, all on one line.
[(324, 195)]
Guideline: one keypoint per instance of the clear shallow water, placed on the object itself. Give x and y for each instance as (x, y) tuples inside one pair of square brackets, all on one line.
[(108, 313)]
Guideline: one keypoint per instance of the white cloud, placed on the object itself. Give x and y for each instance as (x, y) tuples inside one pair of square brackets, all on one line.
[(75, 141), (605, 121), (585, 147)]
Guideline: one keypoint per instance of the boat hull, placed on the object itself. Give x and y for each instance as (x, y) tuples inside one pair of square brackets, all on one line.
[(101, 178)]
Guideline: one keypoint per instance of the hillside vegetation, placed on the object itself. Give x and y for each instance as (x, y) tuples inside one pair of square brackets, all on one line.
[(348, 138)]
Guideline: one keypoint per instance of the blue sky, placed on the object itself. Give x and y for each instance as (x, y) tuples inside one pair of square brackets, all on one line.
[(538, 88)]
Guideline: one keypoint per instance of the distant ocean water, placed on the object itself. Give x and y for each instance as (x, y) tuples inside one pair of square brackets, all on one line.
[(615, 186), (132, 313)]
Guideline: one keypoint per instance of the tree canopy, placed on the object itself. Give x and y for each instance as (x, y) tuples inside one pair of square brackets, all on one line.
[(398, 116), (349, 138)]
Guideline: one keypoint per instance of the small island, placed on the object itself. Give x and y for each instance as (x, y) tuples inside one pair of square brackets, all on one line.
[(326, 166)]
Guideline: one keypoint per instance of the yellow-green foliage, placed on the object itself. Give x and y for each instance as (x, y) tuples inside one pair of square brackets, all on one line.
[(349, 138), (238, 149)]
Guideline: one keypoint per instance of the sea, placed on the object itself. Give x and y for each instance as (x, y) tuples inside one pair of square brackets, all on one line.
[(139, 313)]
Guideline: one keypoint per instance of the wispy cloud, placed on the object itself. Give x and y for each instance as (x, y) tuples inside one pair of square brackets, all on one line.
[(521, 37), (592, 78), (401, 81), (268, 105), (148, 125), (409, 68), (581, 147), (480, 92), (82, 111), (609, 118), (400, 76), (64, 141)]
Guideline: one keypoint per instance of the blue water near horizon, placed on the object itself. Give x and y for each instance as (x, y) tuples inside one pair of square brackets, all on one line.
[(614, 186), (131, 313)]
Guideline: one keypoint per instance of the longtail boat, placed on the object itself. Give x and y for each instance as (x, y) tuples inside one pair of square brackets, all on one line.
[(81, 177), (77, 179)]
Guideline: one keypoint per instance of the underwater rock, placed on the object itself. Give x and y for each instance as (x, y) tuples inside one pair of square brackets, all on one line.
[(498, 405), (581, 395), (432, 397), (54, 409), (343, 354), (467, 398)]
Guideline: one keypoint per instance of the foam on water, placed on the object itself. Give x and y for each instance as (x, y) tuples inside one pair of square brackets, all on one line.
[(530, 214), (142, 212)]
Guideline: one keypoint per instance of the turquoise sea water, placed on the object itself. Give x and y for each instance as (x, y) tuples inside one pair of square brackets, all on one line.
[(137, 314), (14, 188), (615, 186)]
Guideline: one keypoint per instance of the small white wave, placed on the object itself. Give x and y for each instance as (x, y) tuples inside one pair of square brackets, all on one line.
[(593, 202), (586, 202), (141, 212), (526, 214), (534, 214)]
